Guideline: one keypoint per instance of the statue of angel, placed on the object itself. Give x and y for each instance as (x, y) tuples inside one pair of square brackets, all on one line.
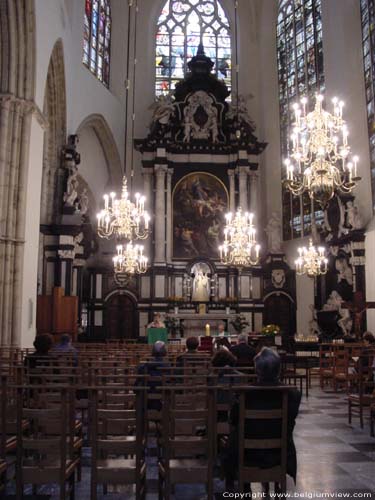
[(353, 216), (163, 109), (238, 110)]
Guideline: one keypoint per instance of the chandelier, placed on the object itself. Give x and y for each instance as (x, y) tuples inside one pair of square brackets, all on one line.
[(320, 153), (240, 248), (311, 261), (123, 218), (130, 259)]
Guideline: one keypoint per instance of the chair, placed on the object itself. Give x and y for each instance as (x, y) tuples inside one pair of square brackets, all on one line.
[(248, 445), (342, 374), (372, 418), (364, 398), (186, 442), (43, 456), (326, 365), (118, 442)]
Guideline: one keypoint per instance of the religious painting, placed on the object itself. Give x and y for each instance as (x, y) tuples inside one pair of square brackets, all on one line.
[(200, 201)]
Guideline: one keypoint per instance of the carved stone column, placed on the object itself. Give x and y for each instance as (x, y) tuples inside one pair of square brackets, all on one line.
[(147, 190), (160, 171), (169, 215), (254, 206), (243, 173), (232, 191)]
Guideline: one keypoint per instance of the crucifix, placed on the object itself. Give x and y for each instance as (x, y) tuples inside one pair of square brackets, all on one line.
[(358, 307)]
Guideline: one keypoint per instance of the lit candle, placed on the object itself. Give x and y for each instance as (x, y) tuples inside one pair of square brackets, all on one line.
[(105, 201), (355, 160), (350, 167), (147, 220), (207, 330)]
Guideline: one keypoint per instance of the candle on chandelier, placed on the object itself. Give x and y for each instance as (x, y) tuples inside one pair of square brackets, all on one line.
[(350, 168), (106, 201), (341, 105), (355, 161), (147, 220)]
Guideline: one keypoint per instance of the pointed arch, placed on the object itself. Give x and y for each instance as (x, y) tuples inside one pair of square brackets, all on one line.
[(55, 135), (104, 134), (182, 25)]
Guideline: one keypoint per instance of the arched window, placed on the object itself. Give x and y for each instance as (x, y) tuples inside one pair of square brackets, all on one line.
[(368, 38), (300, 70), (181, 27), (97, 38)]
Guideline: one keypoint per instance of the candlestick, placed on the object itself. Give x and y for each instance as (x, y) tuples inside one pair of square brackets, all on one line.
[(207, 330)]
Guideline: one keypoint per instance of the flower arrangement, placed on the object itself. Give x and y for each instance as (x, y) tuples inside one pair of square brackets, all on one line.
[(240, 323), (271, 330), (174, 326)]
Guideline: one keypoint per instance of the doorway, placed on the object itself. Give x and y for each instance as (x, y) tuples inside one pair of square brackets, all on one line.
[(121, 317)]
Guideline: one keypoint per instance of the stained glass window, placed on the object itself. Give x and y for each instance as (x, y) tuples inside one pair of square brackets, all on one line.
[(97, 38), (300, 70), (368, 38), (181, 27)]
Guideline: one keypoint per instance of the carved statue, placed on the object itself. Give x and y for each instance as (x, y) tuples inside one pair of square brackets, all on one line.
[(77, 240), (313, 323), (163, 109), (273, 231), (240, 112), (83, 202), (353, 216), (344, 271), (334, 303), (201, 287), (71, 194), (201, 130)]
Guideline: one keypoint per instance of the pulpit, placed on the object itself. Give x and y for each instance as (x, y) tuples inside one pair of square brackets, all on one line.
[(155, 334), (57, 313)]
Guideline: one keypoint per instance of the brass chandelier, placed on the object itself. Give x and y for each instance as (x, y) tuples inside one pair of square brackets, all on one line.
[(240, 248), (311, 261), (130, 259), (123, 218), (321, 163)]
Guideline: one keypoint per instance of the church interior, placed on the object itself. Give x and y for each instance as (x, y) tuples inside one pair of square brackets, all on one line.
[(187, 249)]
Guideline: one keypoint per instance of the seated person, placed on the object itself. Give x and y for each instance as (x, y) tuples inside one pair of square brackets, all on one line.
[(267, 367), (153, 368), (243, 351), (192, 344), (65, 346), (223, 362), (157, 323), (42, 355)]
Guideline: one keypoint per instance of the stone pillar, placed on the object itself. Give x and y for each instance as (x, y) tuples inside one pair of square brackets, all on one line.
[(159, 225), (254, 205), (243, 176), (169, 215), (232, 191), (147, 191)]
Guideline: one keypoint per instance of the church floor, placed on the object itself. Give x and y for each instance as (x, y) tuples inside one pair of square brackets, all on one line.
[(332, 457)]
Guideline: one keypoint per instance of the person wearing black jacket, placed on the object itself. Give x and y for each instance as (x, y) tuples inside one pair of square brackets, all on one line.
[(267, 367), (244, 353)]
